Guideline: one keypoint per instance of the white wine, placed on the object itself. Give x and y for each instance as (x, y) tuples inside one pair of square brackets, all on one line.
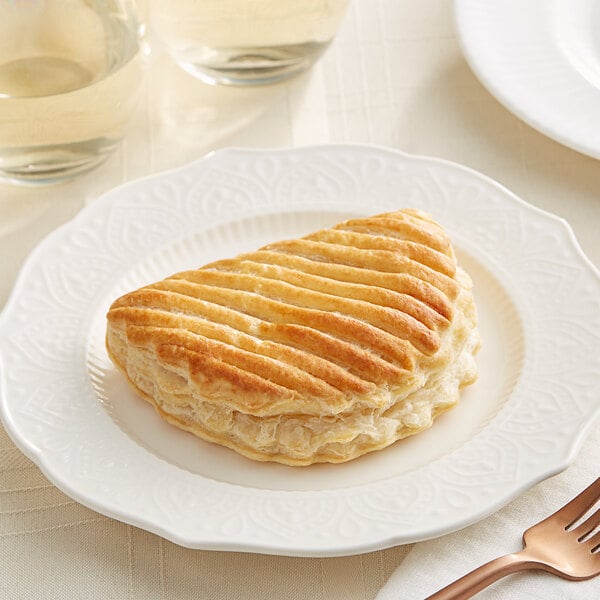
[(69, 80), (246, 41)]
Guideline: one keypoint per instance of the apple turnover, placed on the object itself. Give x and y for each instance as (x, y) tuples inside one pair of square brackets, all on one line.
[(317, 349)]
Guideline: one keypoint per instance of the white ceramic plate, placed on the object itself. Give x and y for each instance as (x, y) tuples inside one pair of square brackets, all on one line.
[(541, 59), (70, 411)]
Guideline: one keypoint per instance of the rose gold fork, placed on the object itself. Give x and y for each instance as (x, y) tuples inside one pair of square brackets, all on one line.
[(553, 545)]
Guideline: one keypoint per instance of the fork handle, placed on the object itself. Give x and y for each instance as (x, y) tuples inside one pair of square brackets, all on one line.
[(473, 582)]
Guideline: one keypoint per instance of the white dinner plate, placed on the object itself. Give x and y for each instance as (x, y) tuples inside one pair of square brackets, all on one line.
[(71, 412), (541, 59)]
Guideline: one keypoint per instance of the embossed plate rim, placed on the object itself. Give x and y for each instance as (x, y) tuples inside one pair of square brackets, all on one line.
[(91, 476)]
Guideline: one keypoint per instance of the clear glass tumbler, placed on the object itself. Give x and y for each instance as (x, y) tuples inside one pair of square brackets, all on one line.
[(70, 73), (246, 42)]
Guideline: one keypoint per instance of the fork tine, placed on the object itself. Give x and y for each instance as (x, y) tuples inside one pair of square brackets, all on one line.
[(570, 512), (588, 525), (594, 541)]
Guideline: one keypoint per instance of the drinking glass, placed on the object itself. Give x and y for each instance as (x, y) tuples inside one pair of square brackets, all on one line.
[(70, 73), (246, 42)]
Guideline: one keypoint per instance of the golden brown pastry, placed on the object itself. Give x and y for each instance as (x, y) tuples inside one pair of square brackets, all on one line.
[(317, 349)]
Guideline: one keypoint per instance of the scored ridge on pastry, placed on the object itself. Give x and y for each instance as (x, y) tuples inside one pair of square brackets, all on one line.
[(317, 349)]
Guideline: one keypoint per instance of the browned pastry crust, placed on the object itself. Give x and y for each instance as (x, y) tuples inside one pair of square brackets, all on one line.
[(317, 349)]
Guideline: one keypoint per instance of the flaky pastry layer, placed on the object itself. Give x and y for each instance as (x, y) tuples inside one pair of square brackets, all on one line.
[(312, 350)]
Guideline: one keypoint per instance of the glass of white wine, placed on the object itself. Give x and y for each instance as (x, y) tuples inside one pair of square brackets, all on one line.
[(70, 74), (246, 42)]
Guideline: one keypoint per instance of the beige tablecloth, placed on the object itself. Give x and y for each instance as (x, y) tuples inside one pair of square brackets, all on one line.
[(394, 76)]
